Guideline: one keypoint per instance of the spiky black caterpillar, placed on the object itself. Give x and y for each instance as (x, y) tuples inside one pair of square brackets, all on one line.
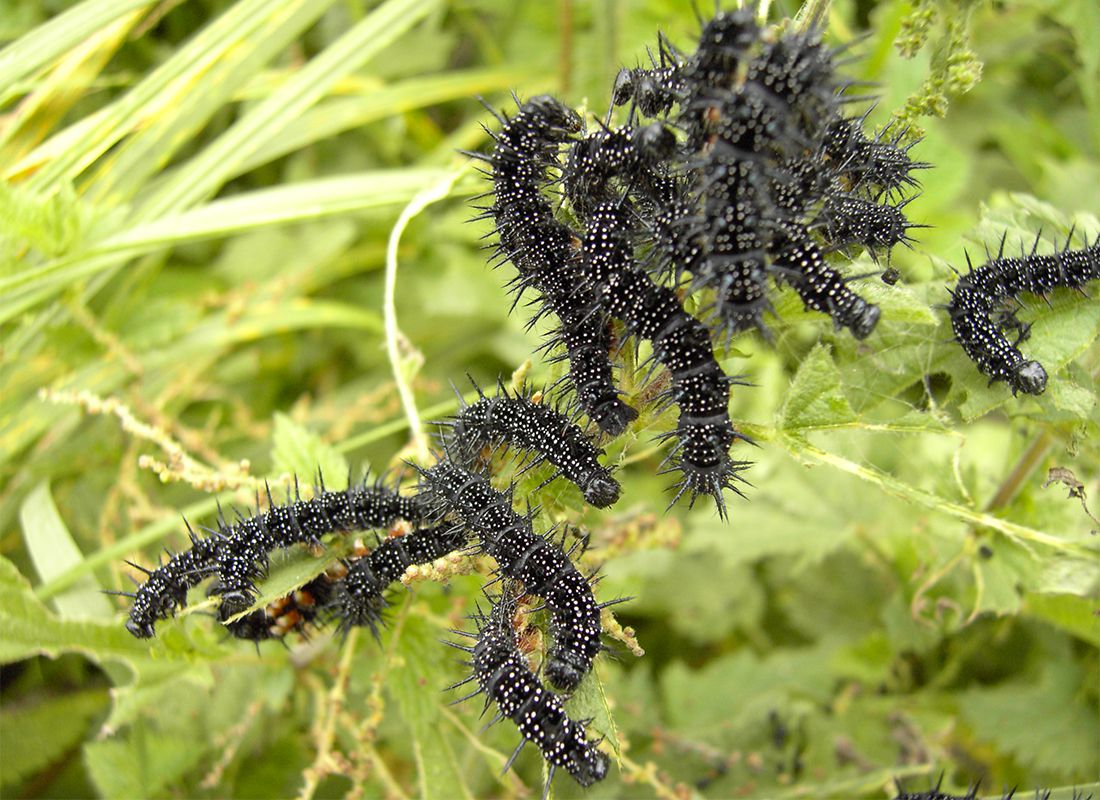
[(544, 253), (536, 561), (983, 290), (237, 553), (295, 612), (504, 676), (774, 170), (359, 597), (600, 169), (350, 594), (540, 429)]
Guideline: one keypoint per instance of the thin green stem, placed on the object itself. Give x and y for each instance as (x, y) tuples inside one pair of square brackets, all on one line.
[(1030, 459), (1020, 534), (403, 365)]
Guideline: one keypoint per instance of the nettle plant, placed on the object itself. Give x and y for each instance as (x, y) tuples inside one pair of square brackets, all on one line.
[(737, 236)]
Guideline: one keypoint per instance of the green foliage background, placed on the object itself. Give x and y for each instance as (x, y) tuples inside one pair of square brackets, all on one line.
[(194, 214)]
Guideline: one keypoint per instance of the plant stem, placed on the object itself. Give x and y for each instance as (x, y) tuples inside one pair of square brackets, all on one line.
[(395, 339), (565, 51), (1030, 459)]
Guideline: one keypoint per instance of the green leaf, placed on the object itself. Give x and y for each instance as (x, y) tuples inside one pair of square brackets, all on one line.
[(145, 100), (343, 114), (815, 398), (54, 552), (36, 736), (50, 41), (589, 701), (736, 690), (301, 452), (27, 628), (128, 169), (317, 199), (140, 766), (415, 687), (289, 569), (223, 158), (1048, 725), (1073, 614)]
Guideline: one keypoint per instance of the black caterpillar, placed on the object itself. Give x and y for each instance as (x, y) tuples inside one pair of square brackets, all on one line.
[(505, 678), (753, 174), (544, 252), (983, 290), (516, 420), (352, 594), (296, 612), (603, 283), (522, 555), (652, 312), (237, 553)]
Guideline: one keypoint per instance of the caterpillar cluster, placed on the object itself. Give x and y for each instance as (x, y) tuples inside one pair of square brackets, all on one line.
[(738, 167), (455, 508), (767, 176), (980, 314)]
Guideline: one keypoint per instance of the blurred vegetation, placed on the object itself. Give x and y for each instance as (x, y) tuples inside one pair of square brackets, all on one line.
[(196, 203)]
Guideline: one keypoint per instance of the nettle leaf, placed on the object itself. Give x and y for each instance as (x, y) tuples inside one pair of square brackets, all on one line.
[(796, 513), (36, 736), (815, 398), (1065, 575), (27, 628), (288, 570), (301, 452), (702, 611), (1003, 577), (589, 701), (183, 730), (901, 305), (712, 703), (821, 605), (1072, 614), (1047, 725), (416, 685), (134, 768), (1077, 401)]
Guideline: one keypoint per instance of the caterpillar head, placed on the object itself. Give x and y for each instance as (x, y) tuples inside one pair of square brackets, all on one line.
[(601, 490), (1029, 377), (612, 416), (554, 114), (562, 673), (140, 629), (591, 768), (865, 320)]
